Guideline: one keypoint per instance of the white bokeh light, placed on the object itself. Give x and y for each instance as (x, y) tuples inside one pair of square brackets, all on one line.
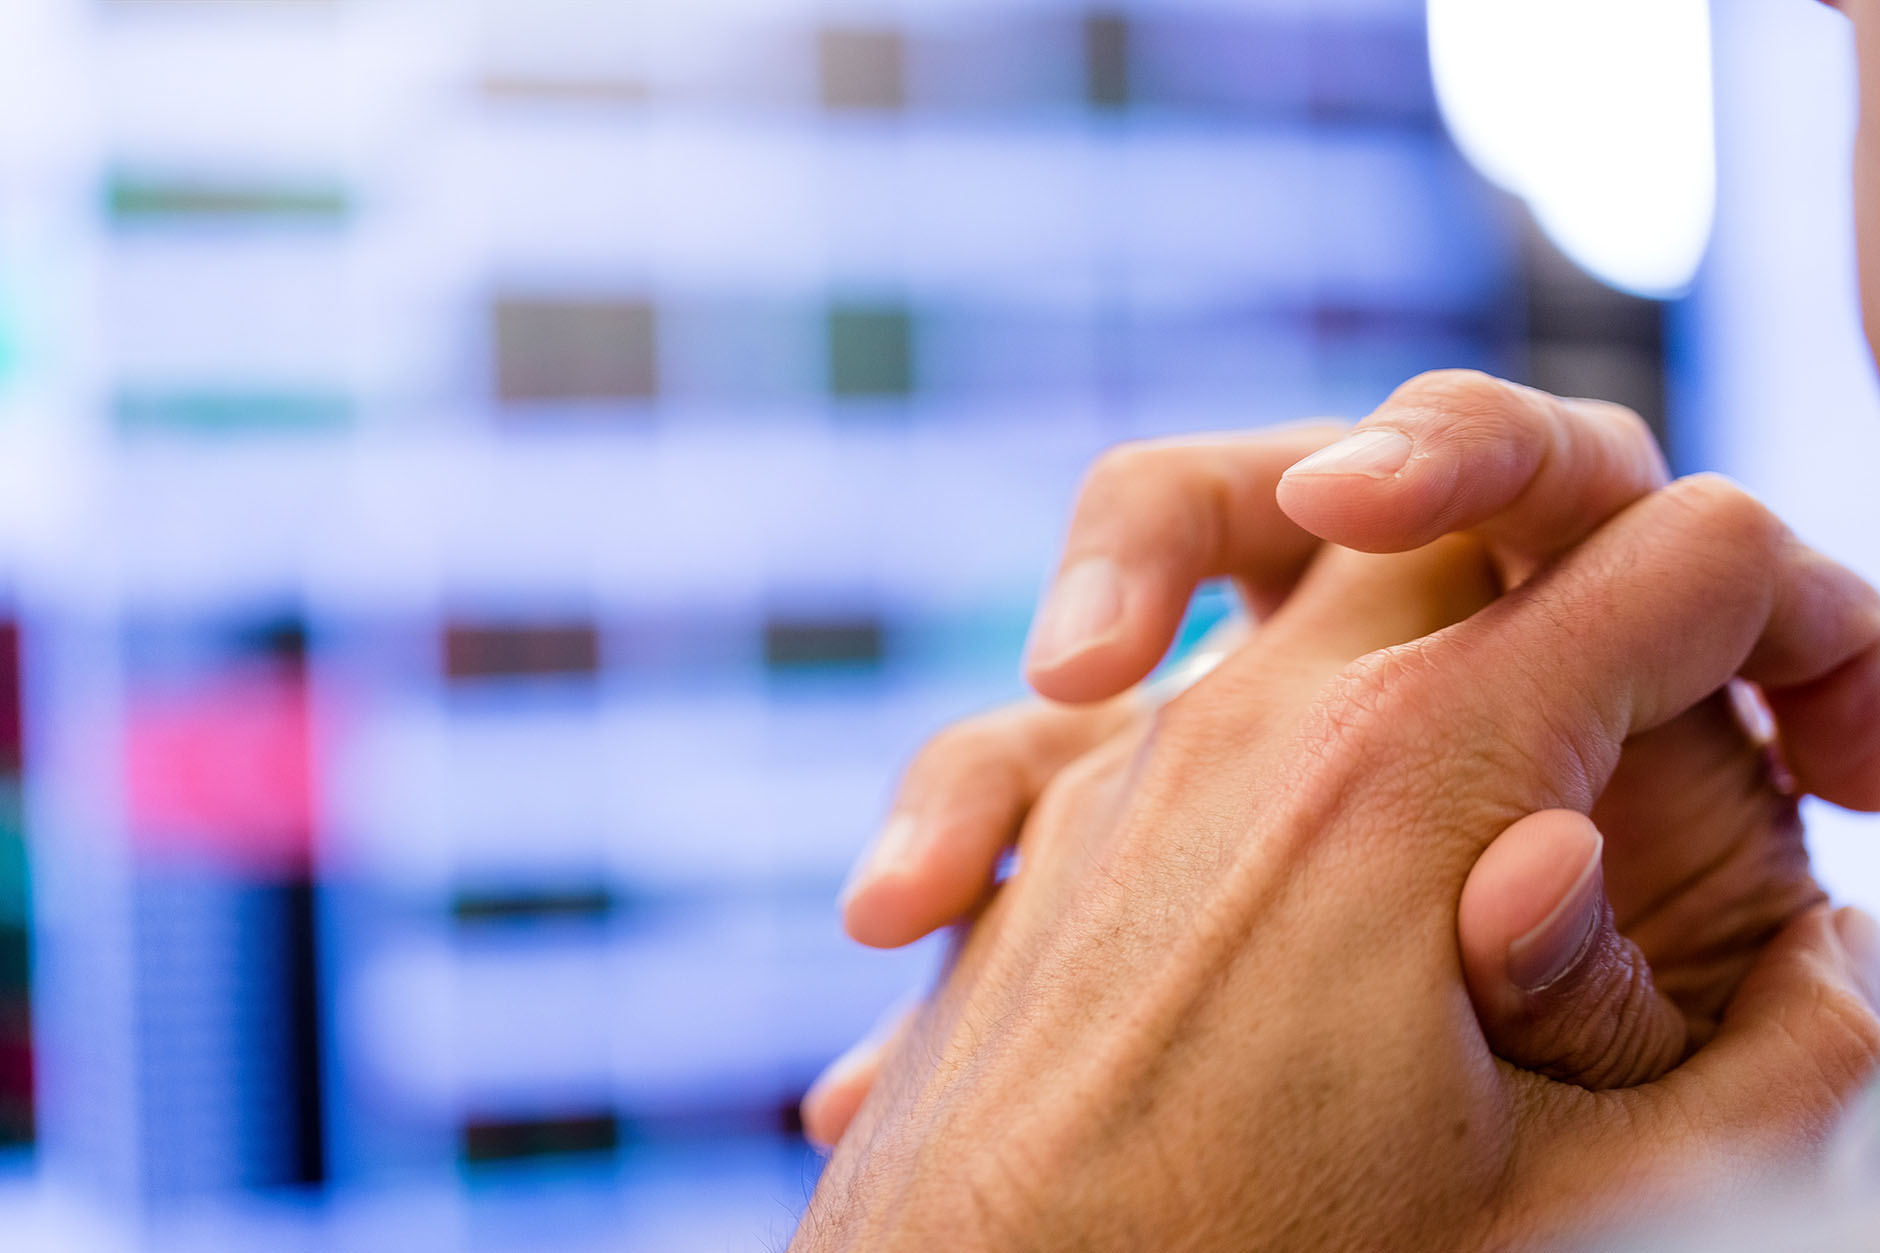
[(1599, 115)]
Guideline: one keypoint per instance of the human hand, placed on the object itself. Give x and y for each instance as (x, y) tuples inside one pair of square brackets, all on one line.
[(1222, 999), (1531, 475)]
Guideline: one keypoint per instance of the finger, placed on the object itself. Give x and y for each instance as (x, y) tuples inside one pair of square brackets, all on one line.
[(1153, 520), (960, 806), (1454, 450), (831, 1102), (1653, 614), (1826, 732), (1557, 989), (1798, 1044), (1351, 603), (1348, 604), (1700, 905)]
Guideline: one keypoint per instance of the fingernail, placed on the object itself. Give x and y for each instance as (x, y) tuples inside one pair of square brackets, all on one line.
[(1376, 452), (1753, 715), (1549, 952), (1860, 936), (891, 853), (1081, 610)]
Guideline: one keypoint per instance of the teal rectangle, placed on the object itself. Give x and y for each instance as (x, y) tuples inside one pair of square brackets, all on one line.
[(219, 412)]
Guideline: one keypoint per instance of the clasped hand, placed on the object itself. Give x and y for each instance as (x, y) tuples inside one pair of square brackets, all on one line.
[(1455, 908)]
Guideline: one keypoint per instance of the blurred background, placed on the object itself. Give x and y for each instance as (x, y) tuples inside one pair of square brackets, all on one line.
[(491, 490)]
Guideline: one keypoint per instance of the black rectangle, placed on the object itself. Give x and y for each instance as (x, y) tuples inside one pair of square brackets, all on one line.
[(575, 904), (511, 1140), (305, 1157), (804, 643)]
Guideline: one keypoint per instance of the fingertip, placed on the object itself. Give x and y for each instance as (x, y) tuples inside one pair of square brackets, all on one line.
[(1371, 512), (1558, 989), (829, 1106), (1530, 472), (1090, 676), (874, 901), (836, 1096), (1082, 611), (1521, 918), (1085, 663), (889, 911), (1830, 733), (929, 868), (809, 1113)]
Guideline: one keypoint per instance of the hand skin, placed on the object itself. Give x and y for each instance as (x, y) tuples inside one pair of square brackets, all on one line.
[(1703, 858), (1221, 1003), (1531, 474)]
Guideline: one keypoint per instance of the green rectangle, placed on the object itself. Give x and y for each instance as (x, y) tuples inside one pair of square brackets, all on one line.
[(871, 351), (138, 199)]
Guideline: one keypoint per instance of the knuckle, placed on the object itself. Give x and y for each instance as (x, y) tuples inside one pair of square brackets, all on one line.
[(1120, 465), (1722, 511), (1454, 391), (1372, 699), (1626, 422), (1155, 495), (966, 740), (975, 746), (1486, 420), (1624, 441), (1639, 444)]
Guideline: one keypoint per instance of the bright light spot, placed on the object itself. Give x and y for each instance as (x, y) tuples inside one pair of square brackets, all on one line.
[(1598, 114)]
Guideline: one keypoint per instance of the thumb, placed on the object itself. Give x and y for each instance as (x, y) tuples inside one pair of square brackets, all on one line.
[(1557, 989)]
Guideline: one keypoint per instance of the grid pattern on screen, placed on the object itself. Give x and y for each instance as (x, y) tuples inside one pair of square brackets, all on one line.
[(561, 471)]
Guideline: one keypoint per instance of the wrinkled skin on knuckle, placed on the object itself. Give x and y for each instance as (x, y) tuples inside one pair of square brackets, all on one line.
[(1374, 727), (1595, 1029), (1465, 393)]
